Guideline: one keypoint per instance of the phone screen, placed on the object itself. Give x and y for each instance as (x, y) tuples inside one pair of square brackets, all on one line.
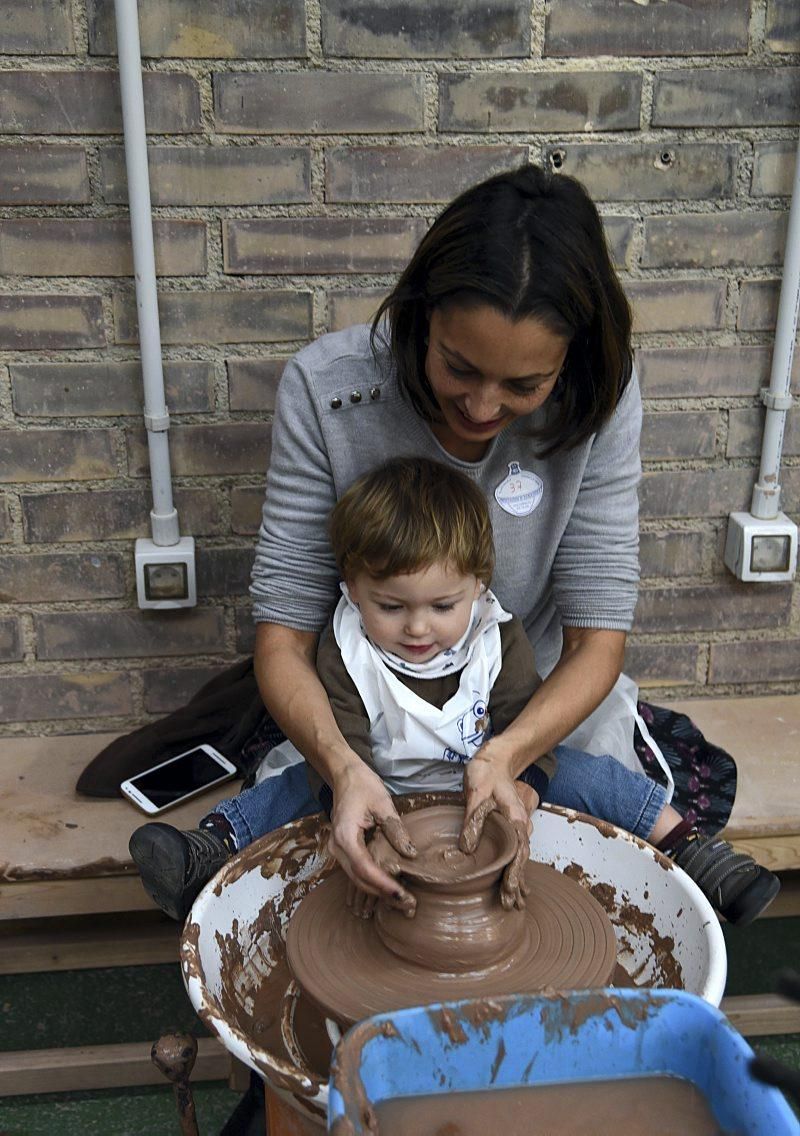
[(185, 774)]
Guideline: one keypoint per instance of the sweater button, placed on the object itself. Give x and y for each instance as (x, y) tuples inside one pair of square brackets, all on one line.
[(355, 396), (335, 403), (375, 393)]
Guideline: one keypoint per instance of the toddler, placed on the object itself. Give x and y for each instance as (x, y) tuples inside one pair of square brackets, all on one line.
[(422, 665)]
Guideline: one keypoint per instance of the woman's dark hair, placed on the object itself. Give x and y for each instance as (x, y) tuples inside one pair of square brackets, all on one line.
[(529, 244)]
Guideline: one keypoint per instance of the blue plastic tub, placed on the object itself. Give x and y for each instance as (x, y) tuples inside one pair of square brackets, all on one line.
[(542, 1039)]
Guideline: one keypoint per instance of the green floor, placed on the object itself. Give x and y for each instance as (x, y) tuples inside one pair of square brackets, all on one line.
[(128, 1004)]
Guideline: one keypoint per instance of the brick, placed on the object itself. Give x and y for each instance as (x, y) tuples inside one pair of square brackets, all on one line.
[(679, 434), (654, 664), (30, 323), (36, 27), (168, 688), (757, 660), (54, 697), (717, 607), (227, 29), (246, 506), (97, 247), (56, 455), (352, 306), (628, 27), (677, 372), (224, 448), (224, 571), (773, 169), (746, 429), (408, 29), (38, 174), (222, 317), (245, 632), (11, 650), (676, 305), (6, 532), (706, 240), (58, 390), (128, 634), (37, 578), (215, 175), (695, 492), (671, 553), (649, 171), (560, 101), (321, 244), (88, 102), (620, 232), (112, 514), (758, 305), (253, 383), (318, 102), (735, 96), (783, 25), (413, 173)]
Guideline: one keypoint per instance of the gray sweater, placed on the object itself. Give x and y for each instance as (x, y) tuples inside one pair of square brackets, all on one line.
[(572, 560)]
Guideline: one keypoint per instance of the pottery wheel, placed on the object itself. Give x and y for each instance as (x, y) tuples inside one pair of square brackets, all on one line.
[(342, 965)]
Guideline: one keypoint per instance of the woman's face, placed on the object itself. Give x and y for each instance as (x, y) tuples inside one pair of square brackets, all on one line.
[(485, 370)]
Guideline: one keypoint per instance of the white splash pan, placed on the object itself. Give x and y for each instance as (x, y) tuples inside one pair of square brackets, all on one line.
[(667, 932)]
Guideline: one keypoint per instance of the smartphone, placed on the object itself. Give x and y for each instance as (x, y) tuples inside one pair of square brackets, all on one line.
[(178, 779)]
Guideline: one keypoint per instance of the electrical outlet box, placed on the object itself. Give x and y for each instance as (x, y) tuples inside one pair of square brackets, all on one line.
[(761, 550), (165, 574)]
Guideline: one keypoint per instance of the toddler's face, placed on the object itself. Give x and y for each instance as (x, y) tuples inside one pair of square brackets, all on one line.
[(417, 615)]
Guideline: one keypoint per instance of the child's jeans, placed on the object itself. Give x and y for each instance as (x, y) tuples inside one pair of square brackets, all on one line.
[(600, 786)]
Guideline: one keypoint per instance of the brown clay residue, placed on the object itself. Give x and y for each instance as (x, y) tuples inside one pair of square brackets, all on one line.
[(106, 866), (346, 1068), (446, 1021), (568, 1014), (642, 923), (606, 896)]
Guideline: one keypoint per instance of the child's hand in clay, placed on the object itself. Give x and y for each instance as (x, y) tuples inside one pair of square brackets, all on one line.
[(487, 787), (361, 803)]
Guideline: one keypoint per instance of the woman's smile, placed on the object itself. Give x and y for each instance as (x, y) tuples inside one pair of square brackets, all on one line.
[(485, 370)]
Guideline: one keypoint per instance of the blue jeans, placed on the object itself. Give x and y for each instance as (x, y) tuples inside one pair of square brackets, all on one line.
[(600, 786)]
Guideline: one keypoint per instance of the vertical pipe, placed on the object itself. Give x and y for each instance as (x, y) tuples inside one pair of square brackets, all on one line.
[(163, 515), (767, 491)]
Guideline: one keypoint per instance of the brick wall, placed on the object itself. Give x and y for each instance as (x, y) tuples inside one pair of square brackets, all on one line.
[(298, 150)]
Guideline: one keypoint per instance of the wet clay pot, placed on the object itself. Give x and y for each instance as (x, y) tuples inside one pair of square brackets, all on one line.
[(460, 924)]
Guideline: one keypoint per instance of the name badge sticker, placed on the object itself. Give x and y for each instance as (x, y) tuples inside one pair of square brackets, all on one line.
[(520, 492)]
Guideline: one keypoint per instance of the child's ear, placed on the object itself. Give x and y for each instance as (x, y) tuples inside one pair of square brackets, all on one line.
[(479, 587), (352, 588)]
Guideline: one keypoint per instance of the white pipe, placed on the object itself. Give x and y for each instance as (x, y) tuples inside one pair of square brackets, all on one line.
[(777, 398), (163, 515)]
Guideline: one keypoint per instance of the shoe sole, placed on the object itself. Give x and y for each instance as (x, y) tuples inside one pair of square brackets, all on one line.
[(153, 853), (747, 907)]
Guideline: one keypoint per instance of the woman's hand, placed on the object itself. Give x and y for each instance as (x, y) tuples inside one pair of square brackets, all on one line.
[(489, 788), (362, 802)]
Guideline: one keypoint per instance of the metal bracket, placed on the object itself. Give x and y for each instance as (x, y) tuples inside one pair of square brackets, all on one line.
[(776, 401)]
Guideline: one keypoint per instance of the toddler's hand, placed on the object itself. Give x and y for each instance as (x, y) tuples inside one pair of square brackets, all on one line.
[(361, 802), (488, 788)]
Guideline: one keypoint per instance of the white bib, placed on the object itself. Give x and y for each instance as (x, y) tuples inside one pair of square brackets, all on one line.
[(416, 746)]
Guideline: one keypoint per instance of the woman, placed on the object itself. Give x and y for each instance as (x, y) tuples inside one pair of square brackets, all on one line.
[(503, 350)]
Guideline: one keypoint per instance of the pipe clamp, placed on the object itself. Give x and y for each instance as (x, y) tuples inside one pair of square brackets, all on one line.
[(157, 422), (776, 401)]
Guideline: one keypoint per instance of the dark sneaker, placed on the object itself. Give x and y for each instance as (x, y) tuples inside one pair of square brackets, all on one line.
[(738, 887), (176, 865)]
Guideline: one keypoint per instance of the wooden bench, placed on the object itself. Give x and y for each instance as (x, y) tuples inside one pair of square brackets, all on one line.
[(70, 896)]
